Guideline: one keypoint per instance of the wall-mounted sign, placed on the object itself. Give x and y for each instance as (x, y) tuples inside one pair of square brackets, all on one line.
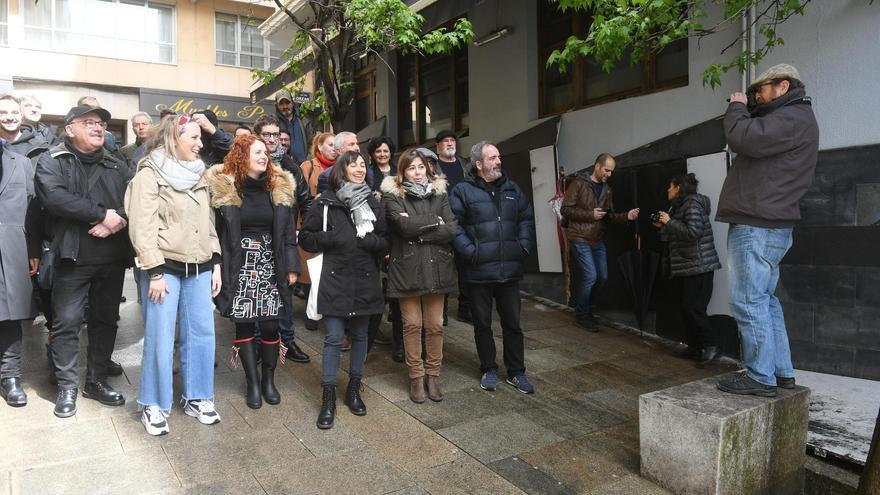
[(302, 97), (227, 108)]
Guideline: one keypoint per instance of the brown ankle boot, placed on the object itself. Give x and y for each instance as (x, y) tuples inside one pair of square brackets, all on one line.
[(434, 392), (417, 389)]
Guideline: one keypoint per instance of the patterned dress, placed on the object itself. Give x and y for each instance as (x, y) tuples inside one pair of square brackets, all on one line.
[(257, 297)]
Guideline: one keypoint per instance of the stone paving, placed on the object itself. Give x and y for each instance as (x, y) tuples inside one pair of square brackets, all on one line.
[(577, 434)]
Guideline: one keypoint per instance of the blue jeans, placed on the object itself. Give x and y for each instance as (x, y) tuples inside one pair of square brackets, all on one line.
[(188, 303), (590, 274), (753, 256), (335, 327)]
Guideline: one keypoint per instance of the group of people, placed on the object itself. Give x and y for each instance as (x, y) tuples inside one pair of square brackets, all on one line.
[(213, 220)]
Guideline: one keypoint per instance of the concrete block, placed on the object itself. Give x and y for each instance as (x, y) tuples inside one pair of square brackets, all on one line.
[(695, 439)]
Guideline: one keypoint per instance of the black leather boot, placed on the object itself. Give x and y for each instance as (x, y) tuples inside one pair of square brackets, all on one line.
[(709, 354), (353, 397), (328, 408), (247, 354), (101, 391), (65, 402), (295, 354), (10, 389), (269, 350)]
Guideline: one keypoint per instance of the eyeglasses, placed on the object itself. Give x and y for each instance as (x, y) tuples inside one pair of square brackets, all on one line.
[(89, 123), (272, 135)]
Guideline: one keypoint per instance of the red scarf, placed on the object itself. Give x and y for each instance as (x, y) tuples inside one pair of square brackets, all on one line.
[(325, 163)]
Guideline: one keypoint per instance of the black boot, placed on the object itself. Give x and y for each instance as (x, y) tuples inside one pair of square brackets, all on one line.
[(353, 397), (247, 354), (709, 354), (65, 402), (269, 350), (10, 389), (295, 354), (328, 407)]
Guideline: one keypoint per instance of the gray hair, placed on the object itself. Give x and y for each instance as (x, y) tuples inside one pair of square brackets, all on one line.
[(141, 114), (30, 98), (477, 153), (339, 140)]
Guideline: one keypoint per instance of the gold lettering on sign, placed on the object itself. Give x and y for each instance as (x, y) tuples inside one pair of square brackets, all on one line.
[(186, 106)]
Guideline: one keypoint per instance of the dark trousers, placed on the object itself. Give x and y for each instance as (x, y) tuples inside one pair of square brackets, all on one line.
[(507, 304), (696, 291), (74, 285), (10, 349), (393, 314), (265, 330), (464, 298)]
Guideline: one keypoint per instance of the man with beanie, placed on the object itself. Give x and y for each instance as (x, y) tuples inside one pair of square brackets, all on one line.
[(215, 141), (776, 144), (288, 116), (81, 186)]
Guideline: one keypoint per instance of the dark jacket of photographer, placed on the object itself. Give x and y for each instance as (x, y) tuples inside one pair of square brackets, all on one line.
[(777, 147), (581, 198), (689, 233)]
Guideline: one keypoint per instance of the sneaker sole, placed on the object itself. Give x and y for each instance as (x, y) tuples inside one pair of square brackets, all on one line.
[(759, 393), (198, 417), (488, 389), (518, 389), (156, 432)]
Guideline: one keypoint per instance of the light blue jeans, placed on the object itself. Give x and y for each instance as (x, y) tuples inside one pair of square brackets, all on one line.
[(753, 256), (590, 275), (189, 304)]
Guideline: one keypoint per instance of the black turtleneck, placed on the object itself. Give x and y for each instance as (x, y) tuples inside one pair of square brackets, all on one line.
[(256, 206), (87, 159)]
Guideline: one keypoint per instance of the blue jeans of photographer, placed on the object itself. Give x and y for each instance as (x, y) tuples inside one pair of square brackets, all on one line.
[(590, 274), (753, 256)]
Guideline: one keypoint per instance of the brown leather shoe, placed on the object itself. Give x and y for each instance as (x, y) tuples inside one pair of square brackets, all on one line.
[(434, 392), (417, 389)]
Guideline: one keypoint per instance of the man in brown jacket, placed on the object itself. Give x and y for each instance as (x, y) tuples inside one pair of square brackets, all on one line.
[(586, 209)]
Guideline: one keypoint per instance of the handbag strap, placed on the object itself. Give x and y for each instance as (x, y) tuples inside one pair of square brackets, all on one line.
[(325, 219)]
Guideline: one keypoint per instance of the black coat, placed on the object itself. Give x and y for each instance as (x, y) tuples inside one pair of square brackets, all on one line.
[(349, 284), (62, 185), (495, 230), (689, 233), (421, 261), (226, 201)]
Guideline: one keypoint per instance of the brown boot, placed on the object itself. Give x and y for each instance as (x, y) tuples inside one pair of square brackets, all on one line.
[(434, 392), (417, 389)]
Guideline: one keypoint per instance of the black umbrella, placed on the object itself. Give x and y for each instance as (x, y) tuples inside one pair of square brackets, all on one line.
[(639, 268)]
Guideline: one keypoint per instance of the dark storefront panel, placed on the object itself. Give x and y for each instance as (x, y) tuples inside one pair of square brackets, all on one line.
[(228, 109)]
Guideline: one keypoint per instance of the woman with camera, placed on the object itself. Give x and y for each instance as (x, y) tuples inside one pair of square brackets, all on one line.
[(692, 261)]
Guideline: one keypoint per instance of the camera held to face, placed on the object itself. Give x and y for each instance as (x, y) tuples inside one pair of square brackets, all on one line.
[(655, 217)]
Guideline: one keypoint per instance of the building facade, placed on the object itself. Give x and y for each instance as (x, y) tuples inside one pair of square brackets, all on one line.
[(136, 56)]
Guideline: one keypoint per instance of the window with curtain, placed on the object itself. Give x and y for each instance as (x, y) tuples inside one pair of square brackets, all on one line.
[(432, 95), (239, 43), (585, 83), (126, 29)]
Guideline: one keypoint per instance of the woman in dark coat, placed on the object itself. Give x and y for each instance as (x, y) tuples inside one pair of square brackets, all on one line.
[(255, 205), (349, 290), (16, 300), (692, 261), (422, 269)]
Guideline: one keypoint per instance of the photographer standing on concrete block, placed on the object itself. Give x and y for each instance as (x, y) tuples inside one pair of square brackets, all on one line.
[(776, 140)]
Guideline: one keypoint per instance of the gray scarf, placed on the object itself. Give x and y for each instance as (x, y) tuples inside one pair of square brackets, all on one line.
[(420, 191), (181, 175), (355, 197), (278, 154)]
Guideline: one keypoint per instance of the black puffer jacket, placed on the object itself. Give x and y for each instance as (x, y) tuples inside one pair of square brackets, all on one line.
[(496, 228), (689, 233), (422, 261), (349, 284)]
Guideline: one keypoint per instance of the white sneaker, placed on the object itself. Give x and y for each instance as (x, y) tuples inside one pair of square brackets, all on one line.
[(154, 421), (203, 410)]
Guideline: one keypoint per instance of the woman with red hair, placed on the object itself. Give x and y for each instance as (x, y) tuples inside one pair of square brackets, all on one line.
[(255, 202)]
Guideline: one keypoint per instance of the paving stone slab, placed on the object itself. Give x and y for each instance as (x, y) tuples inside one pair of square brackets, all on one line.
[(32, 447), (137, 471), (460, 406), (326, 443), (496, 437), (464, 475), (528, 478)]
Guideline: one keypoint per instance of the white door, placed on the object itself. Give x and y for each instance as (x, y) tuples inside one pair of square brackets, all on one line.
[(543, 162)]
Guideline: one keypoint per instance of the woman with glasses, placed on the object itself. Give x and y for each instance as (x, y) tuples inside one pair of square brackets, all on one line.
[(171, 226), (255, 205), (349, 292)]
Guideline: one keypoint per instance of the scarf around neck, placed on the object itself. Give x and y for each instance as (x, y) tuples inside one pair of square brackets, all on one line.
[(420, 191), (181, 175), (86, 158), (325, 162), (278, 154), (355, 197)]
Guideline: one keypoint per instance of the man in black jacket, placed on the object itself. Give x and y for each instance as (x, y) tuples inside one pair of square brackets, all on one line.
[(777, 145), (81, 186), (496, 231)]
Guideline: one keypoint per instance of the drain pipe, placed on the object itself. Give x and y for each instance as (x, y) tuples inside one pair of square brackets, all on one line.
[(746, 36), (753, 39)]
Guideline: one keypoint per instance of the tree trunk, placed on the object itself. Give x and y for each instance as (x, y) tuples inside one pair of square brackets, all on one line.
[(870, 482)]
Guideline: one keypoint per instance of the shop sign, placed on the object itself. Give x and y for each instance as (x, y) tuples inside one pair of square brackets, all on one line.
[(227, 108)]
